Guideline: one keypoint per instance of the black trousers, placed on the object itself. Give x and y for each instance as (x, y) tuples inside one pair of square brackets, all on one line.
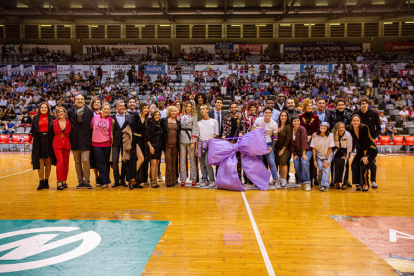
[(340, 169), (115, 165), (373, 170), (360, 174)]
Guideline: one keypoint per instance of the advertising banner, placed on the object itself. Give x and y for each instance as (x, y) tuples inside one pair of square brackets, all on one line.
[(193, 48), (319, 68), (319, 46), (14, 70), (27, 69), (224, 46), (403, 73), (185, 69), (3, 69), (150, 69), (127, 49), (399, 47), (82, 69), (154, 69), (253, 48), (40, 70), (290, 67), (15, 48)]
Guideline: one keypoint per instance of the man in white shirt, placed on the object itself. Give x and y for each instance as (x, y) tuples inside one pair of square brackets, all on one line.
[(161, 107), (270, 129), (207, 129), (404, 114)]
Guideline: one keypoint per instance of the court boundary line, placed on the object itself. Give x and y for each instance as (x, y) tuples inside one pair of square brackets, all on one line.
[(20, 164), (262, 247), (16, 161)]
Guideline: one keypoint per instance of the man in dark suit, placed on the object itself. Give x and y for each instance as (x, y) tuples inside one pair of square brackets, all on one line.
[(119, 122), (218, 115), (280, 103), (323, 113)]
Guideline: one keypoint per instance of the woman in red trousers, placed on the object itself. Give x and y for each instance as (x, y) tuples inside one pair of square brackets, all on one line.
[(61, 147)]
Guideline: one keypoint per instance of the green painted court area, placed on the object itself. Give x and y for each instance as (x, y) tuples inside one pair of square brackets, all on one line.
[(77, 247)]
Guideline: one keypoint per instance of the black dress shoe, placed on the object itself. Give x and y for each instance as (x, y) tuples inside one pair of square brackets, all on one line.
[(115, 185), (41, 185), (124, 184), (131, 186), (46, 183)]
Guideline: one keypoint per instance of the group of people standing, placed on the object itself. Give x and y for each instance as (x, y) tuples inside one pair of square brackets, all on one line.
[(321, 142)]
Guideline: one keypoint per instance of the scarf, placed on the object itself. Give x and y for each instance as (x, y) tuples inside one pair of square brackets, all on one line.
[(79, 113)]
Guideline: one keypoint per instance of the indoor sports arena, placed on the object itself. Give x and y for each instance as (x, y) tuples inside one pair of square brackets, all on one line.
[(183, 137)]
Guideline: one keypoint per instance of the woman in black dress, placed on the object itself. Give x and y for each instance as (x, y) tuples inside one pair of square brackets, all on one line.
[(42, 133), (155, 139), (137, 171), (365, 155)]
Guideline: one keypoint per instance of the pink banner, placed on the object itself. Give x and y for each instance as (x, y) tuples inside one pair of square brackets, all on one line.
[(405, 72), (40, 74), (253, 48)]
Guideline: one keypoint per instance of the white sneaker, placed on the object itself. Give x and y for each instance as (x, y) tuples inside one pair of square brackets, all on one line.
[(283, 183), (202, 183), (308, 187), (298, 185), (104, 186), (277, 184), (212, 184)]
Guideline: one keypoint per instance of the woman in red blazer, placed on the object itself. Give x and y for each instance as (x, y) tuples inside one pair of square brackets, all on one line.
[(61, 147)]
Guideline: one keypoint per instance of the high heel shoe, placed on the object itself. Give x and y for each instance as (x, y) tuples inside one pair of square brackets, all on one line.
[(154, 184), (344, 186), (366, 189), (64, 184), (358, 187), (41, 185), (46, 183), (59, 187)]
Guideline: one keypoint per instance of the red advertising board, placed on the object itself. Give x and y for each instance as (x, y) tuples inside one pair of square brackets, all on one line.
[(399, 47), (406, 72), (254, 48)]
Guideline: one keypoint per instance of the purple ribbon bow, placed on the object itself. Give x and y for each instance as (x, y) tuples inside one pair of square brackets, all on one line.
[(223, 153)]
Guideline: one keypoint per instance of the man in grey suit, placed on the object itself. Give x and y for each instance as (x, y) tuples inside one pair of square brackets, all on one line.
[(323, 114), (218, 115)]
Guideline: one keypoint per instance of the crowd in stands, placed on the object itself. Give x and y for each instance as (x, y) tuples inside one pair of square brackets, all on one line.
[(320, 100)]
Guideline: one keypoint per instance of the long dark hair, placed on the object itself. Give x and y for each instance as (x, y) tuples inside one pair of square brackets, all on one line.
[(141, 108), (361, 125), (327, 132), (287, 120), (48, 109)]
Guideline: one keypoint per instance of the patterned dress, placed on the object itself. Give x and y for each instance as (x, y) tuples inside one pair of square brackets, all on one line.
[(171, 156)]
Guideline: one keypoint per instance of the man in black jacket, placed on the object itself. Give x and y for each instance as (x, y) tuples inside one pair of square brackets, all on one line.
[(119, 122), (371, 119), (80, 117), (340, 114), (280, 104)]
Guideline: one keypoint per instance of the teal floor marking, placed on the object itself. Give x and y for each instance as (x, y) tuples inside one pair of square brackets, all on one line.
[(97, 247)]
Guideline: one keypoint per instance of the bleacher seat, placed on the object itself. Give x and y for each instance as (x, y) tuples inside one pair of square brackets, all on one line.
[(4, 140)]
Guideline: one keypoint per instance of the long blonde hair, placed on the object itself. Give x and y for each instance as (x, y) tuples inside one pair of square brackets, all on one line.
[(335, 130), (192, 112)]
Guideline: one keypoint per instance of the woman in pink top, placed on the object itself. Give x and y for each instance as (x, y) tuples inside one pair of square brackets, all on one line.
[(101, 125)]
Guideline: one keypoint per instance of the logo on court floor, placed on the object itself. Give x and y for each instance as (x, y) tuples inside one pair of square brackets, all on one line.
[(77, 247), (37, 244)]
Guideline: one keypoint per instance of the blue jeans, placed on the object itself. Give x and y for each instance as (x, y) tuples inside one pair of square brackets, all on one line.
[(270, 158), (326, 173), (207, 171), (302, 168), (8, 131)]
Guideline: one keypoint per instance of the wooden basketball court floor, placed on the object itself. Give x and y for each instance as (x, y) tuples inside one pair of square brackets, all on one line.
[(209, 232)]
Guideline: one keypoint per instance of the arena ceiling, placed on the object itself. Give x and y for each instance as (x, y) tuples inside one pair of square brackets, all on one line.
[(173, 10)]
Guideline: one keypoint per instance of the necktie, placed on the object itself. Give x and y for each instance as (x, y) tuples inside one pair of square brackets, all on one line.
[(219, 121)]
